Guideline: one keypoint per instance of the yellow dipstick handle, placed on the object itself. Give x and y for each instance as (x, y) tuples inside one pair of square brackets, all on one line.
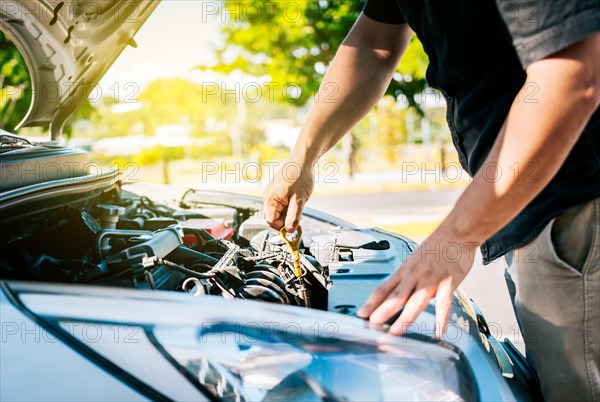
[(294, 246)]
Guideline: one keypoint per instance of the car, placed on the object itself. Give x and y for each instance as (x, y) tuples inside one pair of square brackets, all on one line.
[(116, 292)]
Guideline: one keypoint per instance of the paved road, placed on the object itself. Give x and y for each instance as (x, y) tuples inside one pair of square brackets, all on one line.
[(485, 285), (387, 203)]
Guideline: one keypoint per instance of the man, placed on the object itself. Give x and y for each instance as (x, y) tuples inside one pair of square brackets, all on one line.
[(522, 84)]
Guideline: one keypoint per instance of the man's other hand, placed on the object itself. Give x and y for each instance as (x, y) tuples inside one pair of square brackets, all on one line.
[(436, 269)]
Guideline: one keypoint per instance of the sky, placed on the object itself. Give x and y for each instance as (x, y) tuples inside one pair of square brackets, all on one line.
[(177, 36)]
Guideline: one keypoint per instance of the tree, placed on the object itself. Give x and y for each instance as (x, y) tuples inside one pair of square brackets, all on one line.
[(294, 43), (15, 92)]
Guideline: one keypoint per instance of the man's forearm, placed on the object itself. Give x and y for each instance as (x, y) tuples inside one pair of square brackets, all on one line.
[(356, 80), (535, 142)]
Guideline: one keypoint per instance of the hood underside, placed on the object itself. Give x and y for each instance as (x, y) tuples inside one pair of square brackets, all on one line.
[(68, 47)]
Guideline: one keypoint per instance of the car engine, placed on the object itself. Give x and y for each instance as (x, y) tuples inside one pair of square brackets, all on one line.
[(200, 243), (133, 242)]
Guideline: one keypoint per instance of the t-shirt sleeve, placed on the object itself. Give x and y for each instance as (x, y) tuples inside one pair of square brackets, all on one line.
[(540, 28), (386, 11)]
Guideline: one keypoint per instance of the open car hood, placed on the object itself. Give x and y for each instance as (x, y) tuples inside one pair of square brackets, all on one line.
[(68, 47)]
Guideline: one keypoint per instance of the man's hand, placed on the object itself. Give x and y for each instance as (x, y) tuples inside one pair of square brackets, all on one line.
[(435, 270), (285, 197)]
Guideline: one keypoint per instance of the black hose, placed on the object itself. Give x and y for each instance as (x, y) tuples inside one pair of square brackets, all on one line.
[(205, 267), (75, 264), (149, 204), (184, 270), (116, 233)]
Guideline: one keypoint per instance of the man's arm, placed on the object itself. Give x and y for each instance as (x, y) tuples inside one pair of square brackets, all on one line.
[(538, 134), (357, 78)]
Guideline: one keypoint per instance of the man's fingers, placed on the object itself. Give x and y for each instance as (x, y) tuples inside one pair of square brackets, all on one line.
[(415, 305), (279, 214), (271, 214), (378, 296), (394, 301), (277, 224), (294, 213), (274, 213), (443, 303)]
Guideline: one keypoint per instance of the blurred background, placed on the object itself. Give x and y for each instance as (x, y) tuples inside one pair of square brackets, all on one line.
[(215, 95)]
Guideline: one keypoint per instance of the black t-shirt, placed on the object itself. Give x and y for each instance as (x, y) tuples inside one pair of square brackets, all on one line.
[(478, 50)]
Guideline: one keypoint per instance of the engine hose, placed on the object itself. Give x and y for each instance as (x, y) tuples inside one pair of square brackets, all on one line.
[(194, 274), (188, 256), (75, 264), (116, 233), (214, 245), (201, 267), (161, 210), (183, 270)]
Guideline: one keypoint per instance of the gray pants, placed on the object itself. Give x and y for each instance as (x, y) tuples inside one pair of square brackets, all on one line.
[(555, 286)]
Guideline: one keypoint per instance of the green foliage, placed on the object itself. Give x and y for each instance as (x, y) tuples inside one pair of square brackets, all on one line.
[(294, 42), (169, 101), (15, 84)]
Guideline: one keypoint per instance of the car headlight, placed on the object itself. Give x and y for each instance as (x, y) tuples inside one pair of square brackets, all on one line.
[(260, 363)]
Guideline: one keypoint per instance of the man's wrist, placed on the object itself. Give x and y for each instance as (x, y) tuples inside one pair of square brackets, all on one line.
[(304, 156), (460, 230), (299, 160)]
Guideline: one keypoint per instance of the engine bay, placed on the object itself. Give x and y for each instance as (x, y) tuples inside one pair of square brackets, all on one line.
[(128, 240)]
